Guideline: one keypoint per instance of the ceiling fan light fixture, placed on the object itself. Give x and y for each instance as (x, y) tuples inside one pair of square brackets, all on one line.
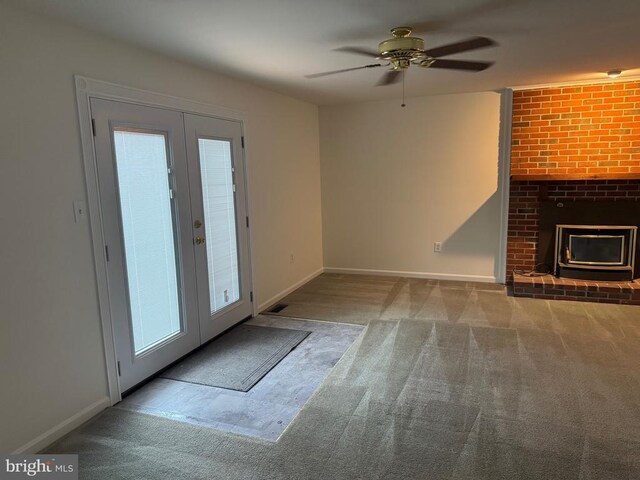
[(614, 73)]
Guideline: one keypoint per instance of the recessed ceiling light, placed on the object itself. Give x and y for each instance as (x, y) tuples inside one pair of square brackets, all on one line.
[(614, 73)]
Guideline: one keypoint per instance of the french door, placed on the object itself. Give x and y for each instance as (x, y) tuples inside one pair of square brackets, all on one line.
[(219, 212), (173, 205)]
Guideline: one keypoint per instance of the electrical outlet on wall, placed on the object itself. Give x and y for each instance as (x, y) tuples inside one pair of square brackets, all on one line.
[(291, 258), (437, 247)]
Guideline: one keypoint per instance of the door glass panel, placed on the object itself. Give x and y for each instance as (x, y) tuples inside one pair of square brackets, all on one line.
[(149, 241), (216, 173)]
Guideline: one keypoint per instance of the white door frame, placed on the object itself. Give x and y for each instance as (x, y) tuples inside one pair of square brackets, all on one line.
[(87, 88)]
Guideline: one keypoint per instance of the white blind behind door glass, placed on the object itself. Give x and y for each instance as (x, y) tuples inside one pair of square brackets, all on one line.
[(149, 241), (216, 173)]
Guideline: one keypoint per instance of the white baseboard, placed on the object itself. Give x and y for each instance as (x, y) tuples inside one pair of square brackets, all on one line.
[(64, 427), (288, 290), (430, 275)]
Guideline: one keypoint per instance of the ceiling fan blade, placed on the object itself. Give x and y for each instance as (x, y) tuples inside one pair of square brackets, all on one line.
[(333, 72), (389, 77), (358, 51), (460, 65), (458, 47)]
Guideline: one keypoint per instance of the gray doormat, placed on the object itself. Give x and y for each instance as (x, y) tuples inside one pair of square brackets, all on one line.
[(238, 359)]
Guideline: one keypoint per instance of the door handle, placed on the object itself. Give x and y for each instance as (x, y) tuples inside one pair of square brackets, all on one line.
[(199, 240)]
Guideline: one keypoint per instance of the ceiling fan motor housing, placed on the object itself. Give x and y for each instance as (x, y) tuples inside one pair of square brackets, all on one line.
[(402, 48)]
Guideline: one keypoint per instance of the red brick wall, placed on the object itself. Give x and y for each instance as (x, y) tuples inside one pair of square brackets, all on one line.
[(522, 240), (590, 129)]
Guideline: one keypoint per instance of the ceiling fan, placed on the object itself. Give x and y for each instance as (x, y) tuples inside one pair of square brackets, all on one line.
[(403, 50)]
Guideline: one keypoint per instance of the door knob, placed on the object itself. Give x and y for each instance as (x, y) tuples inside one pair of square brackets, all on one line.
[(199, 240)]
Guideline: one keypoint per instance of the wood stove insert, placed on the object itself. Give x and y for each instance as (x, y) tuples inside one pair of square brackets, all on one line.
[(595, 252)]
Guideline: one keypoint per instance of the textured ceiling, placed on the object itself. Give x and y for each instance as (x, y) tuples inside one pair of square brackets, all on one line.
[(274, 43)]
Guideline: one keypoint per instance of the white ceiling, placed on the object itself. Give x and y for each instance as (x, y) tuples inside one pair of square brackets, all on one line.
[(274, 43)]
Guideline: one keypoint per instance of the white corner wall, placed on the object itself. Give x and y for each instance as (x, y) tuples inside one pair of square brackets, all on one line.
[(50, 342), (395, 180)]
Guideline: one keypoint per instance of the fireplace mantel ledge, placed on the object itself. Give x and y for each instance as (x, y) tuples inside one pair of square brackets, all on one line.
[(553, 177)]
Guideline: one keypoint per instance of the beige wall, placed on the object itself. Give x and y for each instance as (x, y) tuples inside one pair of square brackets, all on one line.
[(50, 342), (395, 180)]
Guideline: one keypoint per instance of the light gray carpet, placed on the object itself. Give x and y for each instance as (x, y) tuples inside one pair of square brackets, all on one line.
[(448, 381), (238, 359)]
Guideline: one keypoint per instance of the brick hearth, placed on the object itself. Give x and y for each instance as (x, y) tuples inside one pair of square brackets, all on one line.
[(553, 288)]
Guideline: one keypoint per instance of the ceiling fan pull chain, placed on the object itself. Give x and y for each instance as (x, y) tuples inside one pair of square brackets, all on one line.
[(403, 74)]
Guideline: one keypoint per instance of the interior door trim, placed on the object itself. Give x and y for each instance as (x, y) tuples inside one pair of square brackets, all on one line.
[(86, 89)]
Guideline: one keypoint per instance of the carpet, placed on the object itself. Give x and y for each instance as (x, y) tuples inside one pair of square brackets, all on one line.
[(238, 359), (447, 382)]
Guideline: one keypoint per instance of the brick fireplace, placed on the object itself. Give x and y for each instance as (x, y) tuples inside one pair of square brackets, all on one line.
[(578, 144)]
